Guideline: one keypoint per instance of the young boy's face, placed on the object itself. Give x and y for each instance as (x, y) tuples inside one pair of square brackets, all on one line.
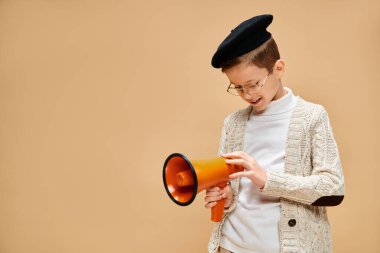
[(249, 75)]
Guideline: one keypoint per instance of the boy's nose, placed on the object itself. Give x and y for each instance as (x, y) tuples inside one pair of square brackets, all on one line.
[(247, 94)]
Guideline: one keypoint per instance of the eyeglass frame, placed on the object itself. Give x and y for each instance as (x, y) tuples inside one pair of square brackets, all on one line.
[(246, 90)]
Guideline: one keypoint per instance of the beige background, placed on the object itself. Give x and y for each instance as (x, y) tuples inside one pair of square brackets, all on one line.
[(95, 94)]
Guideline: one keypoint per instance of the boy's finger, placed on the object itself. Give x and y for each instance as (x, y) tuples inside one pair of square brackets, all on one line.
[(232, 155), (212, 198), (213, 189), (237, 175), (213, 194), (210, 204)]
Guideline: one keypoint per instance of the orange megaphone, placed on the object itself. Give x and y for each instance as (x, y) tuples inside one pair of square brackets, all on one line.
[(184, 178)]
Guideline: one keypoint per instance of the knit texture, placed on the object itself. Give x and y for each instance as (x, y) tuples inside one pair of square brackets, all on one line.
[(312, 171)]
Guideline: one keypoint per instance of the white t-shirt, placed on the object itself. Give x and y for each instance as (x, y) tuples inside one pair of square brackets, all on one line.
[(253, 225)]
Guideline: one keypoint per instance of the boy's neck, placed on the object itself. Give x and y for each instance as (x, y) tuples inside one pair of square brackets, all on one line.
[(280, 93)]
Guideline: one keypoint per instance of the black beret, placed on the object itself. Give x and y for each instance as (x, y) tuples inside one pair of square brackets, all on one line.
[(244, 38)]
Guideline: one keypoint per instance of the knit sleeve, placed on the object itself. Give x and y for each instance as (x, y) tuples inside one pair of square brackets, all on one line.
[(325, 185), (223, 138), (223, 148)]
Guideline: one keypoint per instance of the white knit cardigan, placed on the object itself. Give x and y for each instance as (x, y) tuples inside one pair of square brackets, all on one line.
[(313, 178)]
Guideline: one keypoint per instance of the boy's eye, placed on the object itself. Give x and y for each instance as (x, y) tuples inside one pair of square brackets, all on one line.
[(252, 84), (255, 84)]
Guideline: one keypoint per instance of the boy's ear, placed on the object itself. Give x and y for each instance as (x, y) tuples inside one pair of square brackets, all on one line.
[(279, 67)]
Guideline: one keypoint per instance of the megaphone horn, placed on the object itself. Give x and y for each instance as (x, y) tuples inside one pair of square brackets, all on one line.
[(184, 179)]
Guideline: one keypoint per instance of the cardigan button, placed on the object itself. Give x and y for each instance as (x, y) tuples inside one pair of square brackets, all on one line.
[(292, 222)]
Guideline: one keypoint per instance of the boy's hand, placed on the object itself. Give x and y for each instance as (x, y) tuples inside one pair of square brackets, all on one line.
[(252, 170), (214, 194)]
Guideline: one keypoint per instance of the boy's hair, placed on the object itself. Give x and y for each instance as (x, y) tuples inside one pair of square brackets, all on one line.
[(265, 56)]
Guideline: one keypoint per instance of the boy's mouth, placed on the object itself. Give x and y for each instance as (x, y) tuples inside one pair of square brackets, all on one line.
[(254, 102)]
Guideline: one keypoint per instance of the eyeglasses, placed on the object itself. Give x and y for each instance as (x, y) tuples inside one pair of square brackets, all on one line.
[(238, 90)]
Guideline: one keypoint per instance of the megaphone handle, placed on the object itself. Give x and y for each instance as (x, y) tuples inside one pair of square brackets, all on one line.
[(217, 211)]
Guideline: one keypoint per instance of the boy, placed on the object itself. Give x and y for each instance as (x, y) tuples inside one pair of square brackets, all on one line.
[(286, 145)]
